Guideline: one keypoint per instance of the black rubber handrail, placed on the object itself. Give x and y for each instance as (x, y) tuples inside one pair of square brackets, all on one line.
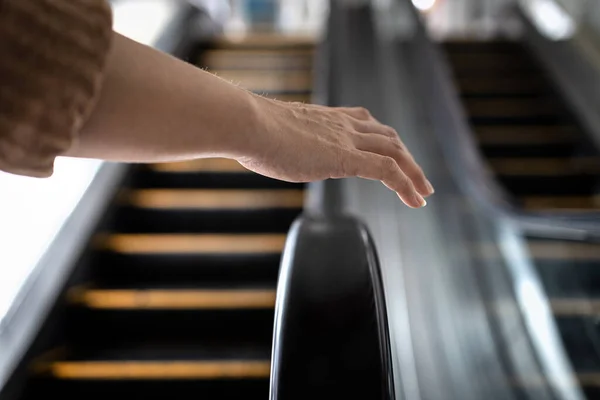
[(331, 337)]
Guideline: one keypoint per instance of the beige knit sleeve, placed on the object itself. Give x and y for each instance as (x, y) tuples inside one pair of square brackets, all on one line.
[(52, 57)]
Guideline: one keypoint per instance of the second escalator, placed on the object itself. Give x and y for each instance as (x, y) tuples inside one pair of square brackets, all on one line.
[(530, 139)]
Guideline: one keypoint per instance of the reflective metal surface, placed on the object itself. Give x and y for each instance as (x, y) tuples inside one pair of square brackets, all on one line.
[(470, 318)]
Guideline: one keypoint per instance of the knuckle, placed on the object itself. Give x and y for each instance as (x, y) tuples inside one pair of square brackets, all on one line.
[(363, 111), (391, 132), (389, 166)]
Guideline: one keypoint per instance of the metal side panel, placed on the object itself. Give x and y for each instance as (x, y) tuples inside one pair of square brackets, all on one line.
[(455, 305)]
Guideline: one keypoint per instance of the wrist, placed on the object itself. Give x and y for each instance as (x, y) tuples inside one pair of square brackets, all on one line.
[(248, 137)]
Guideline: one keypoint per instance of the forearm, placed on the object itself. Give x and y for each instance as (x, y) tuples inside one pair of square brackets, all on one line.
[(154, 107)]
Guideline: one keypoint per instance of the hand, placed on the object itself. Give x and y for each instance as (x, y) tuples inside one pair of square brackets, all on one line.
[(298, 142)]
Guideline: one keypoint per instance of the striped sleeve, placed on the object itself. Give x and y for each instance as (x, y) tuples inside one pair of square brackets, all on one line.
[(52, 58)]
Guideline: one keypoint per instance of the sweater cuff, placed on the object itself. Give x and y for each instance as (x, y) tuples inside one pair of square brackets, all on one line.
[(52, 59)]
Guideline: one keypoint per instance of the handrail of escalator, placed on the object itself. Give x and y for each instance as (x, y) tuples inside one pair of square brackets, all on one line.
[(450, 126), (331, 337)]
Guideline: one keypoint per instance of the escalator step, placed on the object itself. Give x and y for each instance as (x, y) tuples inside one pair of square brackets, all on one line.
[(160, 361), (573, 307), (207, 211), (141, 220), (580, 337), (554, 167), (266, 41), (573, 204), (151, 269), (173, 299), (190, 244), (529, 135), (213, 199), (293, 59), (552, 250), (510, 107), (500, 86)]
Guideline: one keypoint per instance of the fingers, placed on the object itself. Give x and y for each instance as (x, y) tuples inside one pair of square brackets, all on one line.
[(393, 148), (374, 126), (385, 169), (359, 113), (365, 123)]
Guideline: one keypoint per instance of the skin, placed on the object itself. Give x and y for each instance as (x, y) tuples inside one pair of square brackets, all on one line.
[(156, 108)]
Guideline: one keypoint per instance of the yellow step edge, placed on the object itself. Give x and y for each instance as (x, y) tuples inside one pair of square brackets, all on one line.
[(556, 250), (220, 165), (572, 204), (575, 307), (265, 40), (214, 199), (544, 166), (153, 299), (523, 135), (128, 370), (257, 59), (190, 243)]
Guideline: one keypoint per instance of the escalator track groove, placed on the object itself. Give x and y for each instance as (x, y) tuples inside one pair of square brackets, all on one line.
[(178, 290)]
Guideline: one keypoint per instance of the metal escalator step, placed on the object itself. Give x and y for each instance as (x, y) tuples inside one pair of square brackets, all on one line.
[(580, 337), (110, 268), (207, 211), (511, 107), (161, 370), (548, 250), (213, 199), (554, 167), (161, 361), (482, 46), (264, 41), (528, 135), (190, 244), (172, 299), (266, 59), (108, 326), (498, 141), (548, 185), (573, 204), (500, 86), (575, 307), (173, 221)]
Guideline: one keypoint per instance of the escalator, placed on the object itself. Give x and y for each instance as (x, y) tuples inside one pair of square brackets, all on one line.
[(175, 295), (546, 163), (531, 142)]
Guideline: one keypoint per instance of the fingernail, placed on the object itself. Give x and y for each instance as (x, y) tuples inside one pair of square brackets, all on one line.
[(420, 200), (429, 187)]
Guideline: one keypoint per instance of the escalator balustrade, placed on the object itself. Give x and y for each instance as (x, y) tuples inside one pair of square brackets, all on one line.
[(529, 138), (179, 300)]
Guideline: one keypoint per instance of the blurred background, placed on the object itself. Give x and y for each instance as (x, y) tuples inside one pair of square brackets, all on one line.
[(202, 279)]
